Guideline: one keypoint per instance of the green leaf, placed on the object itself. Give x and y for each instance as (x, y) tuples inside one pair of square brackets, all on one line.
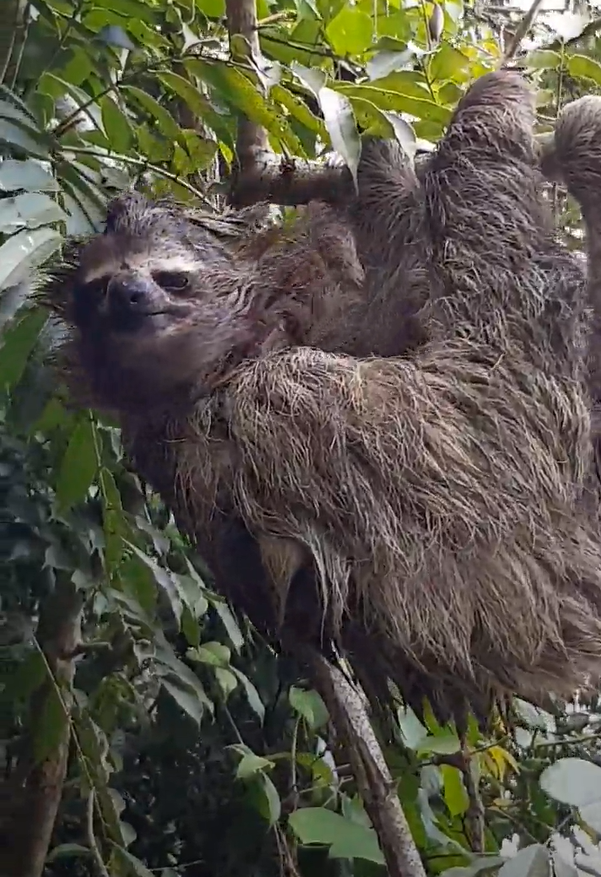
[(214, 654), (185, 697), (412, 729), (29, 210), (238, 91), (24, 251), (340, 122), (57, 87), (582, 67), (251, 764), (264, 797), (229, 622), (65, 851), (382, 64), (310, 706), (299, 110), (531, 861), (166, 580), (396, 102), (172, 666), (312, 78), (167, 124), (455, 794), (226, 680), (28, 677), (117, 127), (350, 32), (78, 467), (449, 63), (18, 341), (212, 8), (544, 59), (17, 135), (252, 695), (28, 175), (347, 839)]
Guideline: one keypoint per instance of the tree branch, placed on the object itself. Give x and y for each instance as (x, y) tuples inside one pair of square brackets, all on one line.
[(31, 796), (289, 181), (521, 30), (371, 773)]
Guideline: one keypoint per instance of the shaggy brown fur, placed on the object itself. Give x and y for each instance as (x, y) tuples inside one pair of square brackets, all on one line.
[(435, 499)]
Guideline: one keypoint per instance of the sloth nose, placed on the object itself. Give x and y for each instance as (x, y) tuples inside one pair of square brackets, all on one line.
[(128, 293)]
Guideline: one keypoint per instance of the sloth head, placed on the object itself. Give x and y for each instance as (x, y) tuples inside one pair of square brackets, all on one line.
[(161, 310)]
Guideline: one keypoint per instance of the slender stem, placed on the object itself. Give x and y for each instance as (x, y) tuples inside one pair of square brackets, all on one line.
[(141, 163)]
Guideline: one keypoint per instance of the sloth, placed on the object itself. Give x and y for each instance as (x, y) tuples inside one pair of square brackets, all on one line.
[(375, 423)]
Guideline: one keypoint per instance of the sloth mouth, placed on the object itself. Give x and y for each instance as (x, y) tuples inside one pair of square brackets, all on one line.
[(129, 321)]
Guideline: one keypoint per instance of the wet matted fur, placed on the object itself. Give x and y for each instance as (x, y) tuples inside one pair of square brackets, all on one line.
[(425, 511)]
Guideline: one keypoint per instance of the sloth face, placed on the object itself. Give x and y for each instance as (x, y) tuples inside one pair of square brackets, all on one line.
[(161, 310)]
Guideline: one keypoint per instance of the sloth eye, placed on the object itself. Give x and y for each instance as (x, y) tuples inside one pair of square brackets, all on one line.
[(172, 281)]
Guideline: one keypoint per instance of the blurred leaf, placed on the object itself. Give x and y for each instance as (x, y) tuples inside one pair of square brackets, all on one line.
[(133, 866), (573, 781), (544, 59), (531, 861)]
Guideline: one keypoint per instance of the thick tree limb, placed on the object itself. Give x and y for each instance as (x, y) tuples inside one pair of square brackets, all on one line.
[(289, 181), (293, 181)]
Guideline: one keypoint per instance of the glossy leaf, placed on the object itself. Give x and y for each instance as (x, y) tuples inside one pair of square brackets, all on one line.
[(346, 839)]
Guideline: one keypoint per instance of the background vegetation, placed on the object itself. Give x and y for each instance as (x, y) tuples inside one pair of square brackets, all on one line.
[(143, 728)]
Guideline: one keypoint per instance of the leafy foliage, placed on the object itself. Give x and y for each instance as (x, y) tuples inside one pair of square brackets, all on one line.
[(194, 749)]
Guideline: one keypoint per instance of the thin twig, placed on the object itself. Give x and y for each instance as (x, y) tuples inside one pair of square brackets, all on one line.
[(521, 30), (141, 163), (100, 866)]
